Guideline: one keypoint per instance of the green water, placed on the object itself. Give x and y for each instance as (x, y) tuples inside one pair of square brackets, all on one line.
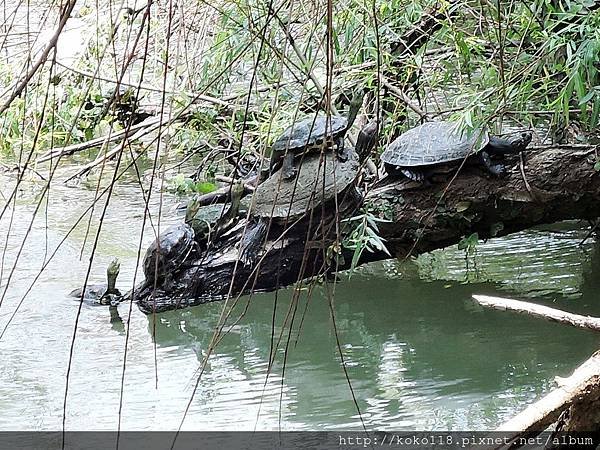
[(419, 353)]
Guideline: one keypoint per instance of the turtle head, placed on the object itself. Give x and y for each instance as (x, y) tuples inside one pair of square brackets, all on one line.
[(192, 209), (355, 104), (237, 192), (522, 140), (112, 272)]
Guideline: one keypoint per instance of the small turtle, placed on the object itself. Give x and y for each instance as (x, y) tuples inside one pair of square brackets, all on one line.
[(211, 221), (102, 294), (168, 252), (311, 134), (320, 179), (417, 152)]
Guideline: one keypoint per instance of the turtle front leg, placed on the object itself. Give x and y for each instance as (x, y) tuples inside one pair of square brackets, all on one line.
[(497, 170), (339, 144), (288, 169), (275, 157)]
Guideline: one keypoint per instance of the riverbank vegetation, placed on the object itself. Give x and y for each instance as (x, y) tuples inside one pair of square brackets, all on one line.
[(214, 79)]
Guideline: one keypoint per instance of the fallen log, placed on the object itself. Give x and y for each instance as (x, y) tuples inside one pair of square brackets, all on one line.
[(59, 152), (549, 186), (575, 394), (544, 312)]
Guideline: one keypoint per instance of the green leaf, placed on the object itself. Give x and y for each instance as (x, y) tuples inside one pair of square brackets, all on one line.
[(597, 166), (463, 206), (587, 97), (204, 187), (469, 242)]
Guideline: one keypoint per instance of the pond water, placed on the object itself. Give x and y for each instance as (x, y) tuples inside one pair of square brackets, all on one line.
[(419, 353)]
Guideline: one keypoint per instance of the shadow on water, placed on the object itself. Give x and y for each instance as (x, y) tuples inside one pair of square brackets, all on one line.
[(420, 355)]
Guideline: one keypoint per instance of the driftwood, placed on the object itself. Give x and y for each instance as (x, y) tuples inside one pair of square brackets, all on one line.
[(575, 405), (551, 186), (74, 148), (544, 312), (577, 392)]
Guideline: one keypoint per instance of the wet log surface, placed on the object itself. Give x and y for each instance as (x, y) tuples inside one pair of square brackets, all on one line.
[(544, 187)]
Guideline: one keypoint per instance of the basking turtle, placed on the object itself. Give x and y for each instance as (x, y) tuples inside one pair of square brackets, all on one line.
[(102, 294), (311, 134), (416, 152), (209, 222), (168, 252), (320, 179)]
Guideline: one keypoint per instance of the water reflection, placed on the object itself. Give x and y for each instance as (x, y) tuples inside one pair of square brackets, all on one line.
[(419, 352), (420, 355)]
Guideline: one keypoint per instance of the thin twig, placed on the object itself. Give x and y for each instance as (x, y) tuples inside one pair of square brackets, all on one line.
[(405, 98), (43, 57), (70, 149)]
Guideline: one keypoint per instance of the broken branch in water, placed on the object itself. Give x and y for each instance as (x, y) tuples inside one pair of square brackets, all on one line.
[(573, 405), (71, 149), (544, 312), (576, 392), (108, 155)]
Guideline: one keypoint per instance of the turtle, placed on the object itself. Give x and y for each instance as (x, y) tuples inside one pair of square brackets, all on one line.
[(168, 252), (418, 151), (102, 294), (283, 201), (209, 222), (311, 134)]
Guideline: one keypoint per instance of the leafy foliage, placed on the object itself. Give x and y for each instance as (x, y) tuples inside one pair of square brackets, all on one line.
[(480, 62), (364, 235), (469, 244), (181, 184)]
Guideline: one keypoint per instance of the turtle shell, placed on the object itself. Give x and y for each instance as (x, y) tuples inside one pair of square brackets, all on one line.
[(433, 143), (175, 244), (208, 215), (320, 178), (93, 292), (308, 131)]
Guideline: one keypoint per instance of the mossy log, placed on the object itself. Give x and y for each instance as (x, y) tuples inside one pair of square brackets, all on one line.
[(544, 187)]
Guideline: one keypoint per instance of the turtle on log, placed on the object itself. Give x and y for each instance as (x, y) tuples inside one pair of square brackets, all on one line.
[(419, 151), (280, 201), (211, 221), (168, 252), (313, 134)]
